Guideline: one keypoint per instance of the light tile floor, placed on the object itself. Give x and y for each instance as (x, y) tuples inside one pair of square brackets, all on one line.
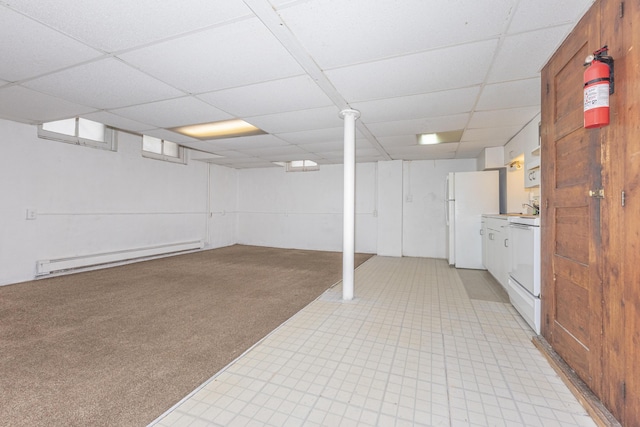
[(410, 350)]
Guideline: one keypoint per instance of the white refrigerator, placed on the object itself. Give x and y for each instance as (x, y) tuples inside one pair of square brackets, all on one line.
[(468, 196)]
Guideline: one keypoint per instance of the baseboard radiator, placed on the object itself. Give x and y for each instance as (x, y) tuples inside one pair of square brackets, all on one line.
[(72, 263)]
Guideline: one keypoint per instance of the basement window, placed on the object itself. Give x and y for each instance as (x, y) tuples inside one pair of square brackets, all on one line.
[(160, 149), (79, 131), (301, 166)]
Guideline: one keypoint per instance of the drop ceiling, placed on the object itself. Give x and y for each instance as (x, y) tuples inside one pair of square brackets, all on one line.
[(288, 67)]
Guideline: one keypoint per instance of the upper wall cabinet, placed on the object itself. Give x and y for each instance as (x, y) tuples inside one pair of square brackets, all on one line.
[(491, 158), (532, 166), (526, 141)]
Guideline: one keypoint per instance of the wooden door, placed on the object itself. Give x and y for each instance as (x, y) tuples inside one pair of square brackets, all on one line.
[(571, 244)]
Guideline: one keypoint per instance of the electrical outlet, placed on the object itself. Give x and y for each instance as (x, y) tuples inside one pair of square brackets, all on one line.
[(409, 198), (31, 214)]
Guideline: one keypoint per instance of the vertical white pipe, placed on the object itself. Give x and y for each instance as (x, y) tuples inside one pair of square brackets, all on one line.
[(348, 240)]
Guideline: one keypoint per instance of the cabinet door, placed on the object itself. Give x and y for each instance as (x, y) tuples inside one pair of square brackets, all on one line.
[(485, 243), (497, 250), (504, 255)]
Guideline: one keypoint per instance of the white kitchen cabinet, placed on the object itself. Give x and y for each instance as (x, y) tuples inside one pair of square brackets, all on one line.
[(491, 158), (532, 168), (496, 246), (483, 232)]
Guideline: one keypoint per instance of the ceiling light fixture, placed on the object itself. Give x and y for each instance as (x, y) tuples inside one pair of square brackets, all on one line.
[(440, 137), (216, 130), (428, 139)]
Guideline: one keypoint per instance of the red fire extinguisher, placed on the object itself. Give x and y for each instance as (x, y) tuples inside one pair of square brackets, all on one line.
[(598, 85)]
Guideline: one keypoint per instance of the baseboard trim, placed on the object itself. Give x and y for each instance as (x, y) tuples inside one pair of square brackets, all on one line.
[(585, 396), (46, 267)]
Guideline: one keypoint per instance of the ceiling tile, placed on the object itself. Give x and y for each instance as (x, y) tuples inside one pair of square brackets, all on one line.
[(272, 153), (121, 24), (416, 126), (202, 147), (532, 15), (519, 93), (424, 152), (465, 65), (516, 117), (338, 32), (169, 136), (266, 98), (35, 49), (339, 154), (24, 105), (314, 135), (298, 120), (104, 84), (444, 103), (117, 121), (338, 144), (187, 110), (228, 155), (499, 135), (248, 142), (257, 164), (398, 141), (230, 55), (515, 62)]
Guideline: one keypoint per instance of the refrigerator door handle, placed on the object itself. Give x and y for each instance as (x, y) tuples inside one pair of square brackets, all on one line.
[(446, 212), (446, 188)]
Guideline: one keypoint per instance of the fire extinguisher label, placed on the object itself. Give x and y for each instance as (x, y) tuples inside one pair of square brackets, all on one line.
[(596, 96)]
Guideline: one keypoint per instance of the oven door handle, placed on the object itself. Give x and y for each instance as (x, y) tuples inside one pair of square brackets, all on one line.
[(520, 226)]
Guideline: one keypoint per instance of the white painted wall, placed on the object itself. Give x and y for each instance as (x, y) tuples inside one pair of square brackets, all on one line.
[(90, 201), (223, 215), (424, 226), (390, 208), (304, 209)]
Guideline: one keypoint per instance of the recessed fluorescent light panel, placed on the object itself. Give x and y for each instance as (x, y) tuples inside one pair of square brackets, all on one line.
[(217, 130), (440, 137)]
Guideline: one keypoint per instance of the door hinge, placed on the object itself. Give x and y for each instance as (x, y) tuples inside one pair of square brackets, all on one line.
[(623, 387), (621, 9), (597, 193), (622, 198)]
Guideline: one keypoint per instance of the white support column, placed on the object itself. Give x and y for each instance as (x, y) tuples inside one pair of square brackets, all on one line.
[(349, 215)]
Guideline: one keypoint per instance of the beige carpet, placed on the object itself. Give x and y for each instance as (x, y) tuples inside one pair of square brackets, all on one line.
[(119, 346)]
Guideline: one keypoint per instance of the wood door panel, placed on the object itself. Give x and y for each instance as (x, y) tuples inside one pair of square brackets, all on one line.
[(569, 295), (572, 234), (567, 113), (572, 151), (571, 270), (571, 350)]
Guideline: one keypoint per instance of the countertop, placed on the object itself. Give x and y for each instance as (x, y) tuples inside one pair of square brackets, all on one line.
[(516, 218), (507, 215)]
